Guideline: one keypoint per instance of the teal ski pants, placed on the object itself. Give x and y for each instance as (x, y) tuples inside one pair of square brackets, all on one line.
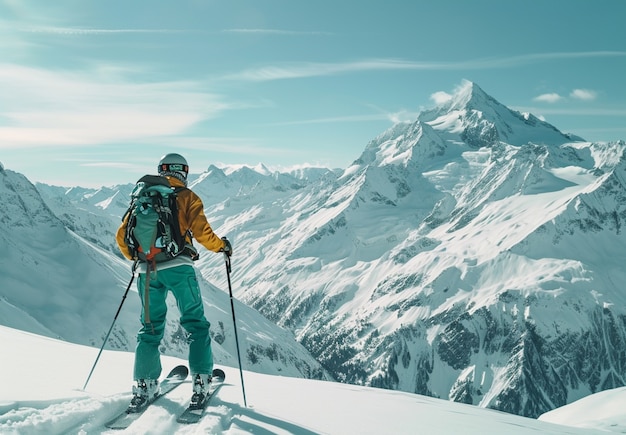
[(182, 282)]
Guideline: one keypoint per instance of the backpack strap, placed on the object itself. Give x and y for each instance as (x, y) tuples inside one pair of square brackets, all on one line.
[(150, 267), (175, 221), (188, 247)]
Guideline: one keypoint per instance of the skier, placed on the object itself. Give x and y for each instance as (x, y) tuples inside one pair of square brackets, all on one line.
[(178, 276)]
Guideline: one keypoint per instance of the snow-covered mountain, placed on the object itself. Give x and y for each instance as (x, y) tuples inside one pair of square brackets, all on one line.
[(55, 282), (475, 254), (81, 211)]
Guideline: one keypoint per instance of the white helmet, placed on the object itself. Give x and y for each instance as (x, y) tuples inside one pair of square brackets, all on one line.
[(174, 165)]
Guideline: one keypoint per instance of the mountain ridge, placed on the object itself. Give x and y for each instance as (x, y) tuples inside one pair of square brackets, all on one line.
[(473, 254), (58, 283), (446, 277)]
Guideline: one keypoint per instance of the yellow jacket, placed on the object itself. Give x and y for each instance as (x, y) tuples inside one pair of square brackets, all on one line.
[(190, 217)]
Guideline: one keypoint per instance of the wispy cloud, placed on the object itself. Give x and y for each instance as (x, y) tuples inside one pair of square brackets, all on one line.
[(101, 31), (552, 97), (51, 108), (276, 32), (576, 94), (583, 94), (246, 146), (112, 165), (335, 119), (313, 69), (531, 58), (572, 111), (95, 31), (393, 117), (440, 97)]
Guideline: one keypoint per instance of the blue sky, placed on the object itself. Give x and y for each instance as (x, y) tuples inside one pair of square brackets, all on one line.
[(94, 92)]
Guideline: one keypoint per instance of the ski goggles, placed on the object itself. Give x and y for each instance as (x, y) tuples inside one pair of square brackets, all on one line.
[(174, 167)]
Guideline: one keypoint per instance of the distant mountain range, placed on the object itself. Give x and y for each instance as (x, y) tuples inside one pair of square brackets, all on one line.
[(475, 254), (61, 277)]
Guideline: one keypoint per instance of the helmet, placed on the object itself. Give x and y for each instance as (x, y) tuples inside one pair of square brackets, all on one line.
[(174, 165)]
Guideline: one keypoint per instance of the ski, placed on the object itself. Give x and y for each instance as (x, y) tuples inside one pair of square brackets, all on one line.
[(173, 380), (194, 413)]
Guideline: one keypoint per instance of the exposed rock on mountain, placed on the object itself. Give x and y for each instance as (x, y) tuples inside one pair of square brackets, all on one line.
[(59, 277), (475, 254)]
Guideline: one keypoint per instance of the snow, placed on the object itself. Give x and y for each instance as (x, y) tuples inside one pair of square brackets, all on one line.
[(421, 228), (42, 381), (604, 410)]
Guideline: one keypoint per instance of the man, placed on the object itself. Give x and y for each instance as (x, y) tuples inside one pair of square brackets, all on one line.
[(178, 276)]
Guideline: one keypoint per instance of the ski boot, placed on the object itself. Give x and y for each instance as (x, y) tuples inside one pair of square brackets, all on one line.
[(201, 384), (144, 391)]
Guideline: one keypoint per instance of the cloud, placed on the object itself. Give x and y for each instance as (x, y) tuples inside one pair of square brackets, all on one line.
[(275, 32), (400, 116), (91, 31), (548, 98), (440, 97), (583, 94), (532, 58), (100, 31), (571, 111), (113, 165), (46, 108), (577, 94), (315, 69), (349, 118)]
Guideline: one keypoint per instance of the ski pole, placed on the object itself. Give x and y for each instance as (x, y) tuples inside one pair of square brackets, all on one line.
[(111, 328), (232, 307)]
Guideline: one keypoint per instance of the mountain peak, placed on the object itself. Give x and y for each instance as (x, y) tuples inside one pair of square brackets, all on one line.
[(214, 170), (474, 117), (469, 117), (469, 96)]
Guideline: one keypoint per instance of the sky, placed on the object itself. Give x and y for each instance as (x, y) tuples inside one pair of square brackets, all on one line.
[(94, 93)]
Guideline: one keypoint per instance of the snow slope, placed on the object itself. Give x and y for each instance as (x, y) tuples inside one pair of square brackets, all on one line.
[(475, 254), (56, 283), (42, 381)]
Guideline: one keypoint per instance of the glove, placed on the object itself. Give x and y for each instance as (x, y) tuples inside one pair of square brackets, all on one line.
[(228, 248)]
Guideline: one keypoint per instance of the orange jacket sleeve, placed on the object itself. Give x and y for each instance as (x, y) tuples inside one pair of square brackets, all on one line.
[(191, 217), (119, 238)]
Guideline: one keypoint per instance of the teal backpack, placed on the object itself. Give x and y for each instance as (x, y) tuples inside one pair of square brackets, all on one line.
[(153, 232)]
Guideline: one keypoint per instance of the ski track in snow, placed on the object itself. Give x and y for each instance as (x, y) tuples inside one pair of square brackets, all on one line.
[(89, 415), (501, 195), (276, 404), (81, 415)]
